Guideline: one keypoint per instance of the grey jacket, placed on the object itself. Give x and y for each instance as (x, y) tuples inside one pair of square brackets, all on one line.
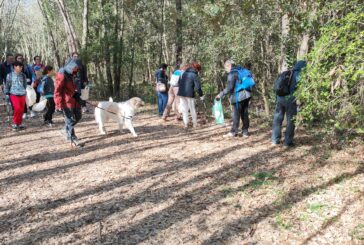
[(16, 84)]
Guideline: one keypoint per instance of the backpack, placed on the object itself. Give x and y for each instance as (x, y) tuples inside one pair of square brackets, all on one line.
[(245, 81), (40, 87), (282, 84)]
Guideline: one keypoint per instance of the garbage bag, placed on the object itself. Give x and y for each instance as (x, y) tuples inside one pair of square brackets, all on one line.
[(31, 96), (218, 112)]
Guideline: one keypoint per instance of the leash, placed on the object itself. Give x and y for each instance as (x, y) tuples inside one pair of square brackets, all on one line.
[(95, 106)]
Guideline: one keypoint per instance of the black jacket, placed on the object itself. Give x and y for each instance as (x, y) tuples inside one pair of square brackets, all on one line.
[(48, 86), (189, 83)]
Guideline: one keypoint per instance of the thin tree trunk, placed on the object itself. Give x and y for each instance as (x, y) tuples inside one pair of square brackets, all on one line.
[(131, 75), (106, 50), (179, 40), (285, 33), (85, 24), (73, 45), (161, 34), (50, 33)]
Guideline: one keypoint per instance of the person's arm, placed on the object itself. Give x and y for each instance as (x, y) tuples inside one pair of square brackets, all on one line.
[(8, 84), (58, 90), (198, 86), (229, 86)]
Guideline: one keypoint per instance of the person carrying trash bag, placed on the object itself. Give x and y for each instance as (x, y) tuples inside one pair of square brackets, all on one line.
[(239, 85), (68, 100)]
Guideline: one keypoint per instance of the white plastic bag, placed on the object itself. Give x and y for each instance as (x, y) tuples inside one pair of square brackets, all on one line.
[(40, 105), (31, 96), (85, 93)]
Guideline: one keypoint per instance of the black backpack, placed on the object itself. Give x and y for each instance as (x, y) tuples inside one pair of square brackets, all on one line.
[(282, 84)]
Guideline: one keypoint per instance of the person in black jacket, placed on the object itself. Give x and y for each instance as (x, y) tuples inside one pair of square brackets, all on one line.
[(188, 85), (48, 93), (239, 105), (162, 79)]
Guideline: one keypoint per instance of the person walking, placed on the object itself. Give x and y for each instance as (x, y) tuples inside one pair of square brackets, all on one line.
[(172, 94), (162, 88), (48, 93), (15, 89), (188, 85), (67, 99)]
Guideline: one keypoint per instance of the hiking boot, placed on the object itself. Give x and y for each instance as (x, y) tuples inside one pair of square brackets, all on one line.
[(21, 127), (290, 145), (229, 135), (15, 127)]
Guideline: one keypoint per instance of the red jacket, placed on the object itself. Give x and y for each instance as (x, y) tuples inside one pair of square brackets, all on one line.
[(65, 87)]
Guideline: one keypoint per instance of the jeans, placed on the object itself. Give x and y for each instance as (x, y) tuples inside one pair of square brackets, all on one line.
[(71, 117), (240, 111), (162, 102), (50, 108), (285, 105)]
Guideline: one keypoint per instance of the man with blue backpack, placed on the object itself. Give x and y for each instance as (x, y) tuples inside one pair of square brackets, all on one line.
[(284, 87), (239, 85)]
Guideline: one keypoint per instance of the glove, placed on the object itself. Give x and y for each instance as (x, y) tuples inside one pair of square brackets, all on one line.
[(202, 98)]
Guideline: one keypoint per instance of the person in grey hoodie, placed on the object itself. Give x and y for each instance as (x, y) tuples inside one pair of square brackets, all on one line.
[(15, 90), (287, 105)]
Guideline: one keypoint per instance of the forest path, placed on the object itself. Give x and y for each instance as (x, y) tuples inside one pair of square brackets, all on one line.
[(171, 187)]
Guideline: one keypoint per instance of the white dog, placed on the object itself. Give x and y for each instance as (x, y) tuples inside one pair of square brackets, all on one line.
[(122, 112)]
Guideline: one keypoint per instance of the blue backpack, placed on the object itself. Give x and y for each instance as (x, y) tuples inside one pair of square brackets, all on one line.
[(245, 82), (40, 87)]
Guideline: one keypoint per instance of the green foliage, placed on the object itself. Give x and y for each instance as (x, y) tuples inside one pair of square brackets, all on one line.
[(332, 88), (358, 232), (262, 178)]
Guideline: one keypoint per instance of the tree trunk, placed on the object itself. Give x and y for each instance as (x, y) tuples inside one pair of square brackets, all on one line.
[(106, 49), (161, 34), (50, 33), (118, 54), (131, 75), (85, 24), (284, 33), (179, 40), (73, 44)]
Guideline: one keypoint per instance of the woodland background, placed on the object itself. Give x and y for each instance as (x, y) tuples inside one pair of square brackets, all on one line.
[(123, 42)]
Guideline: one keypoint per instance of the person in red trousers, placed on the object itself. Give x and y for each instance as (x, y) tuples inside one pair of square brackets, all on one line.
[(15, 90)]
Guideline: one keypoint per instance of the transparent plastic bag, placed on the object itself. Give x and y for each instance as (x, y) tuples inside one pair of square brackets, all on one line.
[(218, 112)]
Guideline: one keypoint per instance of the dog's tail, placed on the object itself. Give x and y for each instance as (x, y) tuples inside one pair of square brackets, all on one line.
[(110, 99)]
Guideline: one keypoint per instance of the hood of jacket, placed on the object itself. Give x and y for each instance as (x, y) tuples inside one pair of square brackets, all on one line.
[(299, 65), (71, 65)]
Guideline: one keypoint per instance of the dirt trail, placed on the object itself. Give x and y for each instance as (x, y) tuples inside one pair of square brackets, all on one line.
[(172, 187)]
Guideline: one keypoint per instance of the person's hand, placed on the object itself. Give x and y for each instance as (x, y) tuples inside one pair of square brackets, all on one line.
[(202, 98)]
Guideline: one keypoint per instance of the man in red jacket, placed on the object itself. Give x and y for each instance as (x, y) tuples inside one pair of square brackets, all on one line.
[(67, 99)]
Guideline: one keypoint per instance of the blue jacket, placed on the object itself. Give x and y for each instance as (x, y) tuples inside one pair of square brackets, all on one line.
[(16, 84), (48, 86), (189, 83)]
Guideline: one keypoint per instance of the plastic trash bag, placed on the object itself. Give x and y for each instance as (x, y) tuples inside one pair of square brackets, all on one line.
[(218, 112), (31, 96), (85, 93), (40, 105)]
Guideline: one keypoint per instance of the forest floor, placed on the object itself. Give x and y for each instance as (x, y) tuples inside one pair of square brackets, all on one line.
[(168, 186)]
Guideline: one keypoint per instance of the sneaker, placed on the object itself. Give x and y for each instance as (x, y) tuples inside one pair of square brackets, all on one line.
[(25, 116), (21, 127), (15, 127), (245, 133), (275, 143), (229, 135), (75, 143), (290, 145)]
